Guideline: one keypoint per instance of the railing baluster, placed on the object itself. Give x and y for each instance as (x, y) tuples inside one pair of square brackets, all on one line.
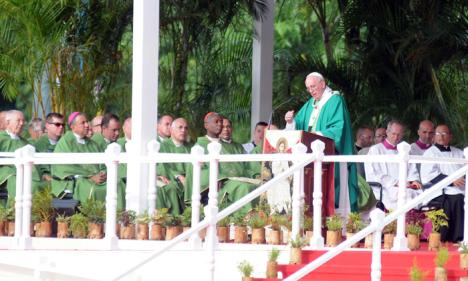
[(19, 195), (28, 153), (317, 241), (153, 148), (377, 217), (195, 238), (112, 164), (299, 149), (400, 243)]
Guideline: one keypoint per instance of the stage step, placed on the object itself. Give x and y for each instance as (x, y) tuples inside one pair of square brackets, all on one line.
[(355, 266)]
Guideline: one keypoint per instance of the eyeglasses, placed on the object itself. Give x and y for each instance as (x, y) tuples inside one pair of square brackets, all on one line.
[(57, 124), (442, 134)]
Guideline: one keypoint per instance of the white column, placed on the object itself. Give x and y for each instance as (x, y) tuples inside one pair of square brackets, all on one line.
[(465, 226), (19, 196), (262, 66), (400, 242), (28, 154), (153, 148), (144, 98), (197, 150), (298, 150), (317, 241), (112, 164), (377, 217)]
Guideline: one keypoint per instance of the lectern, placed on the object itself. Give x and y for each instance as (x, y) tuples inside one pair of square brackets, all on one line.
[(277, 141)]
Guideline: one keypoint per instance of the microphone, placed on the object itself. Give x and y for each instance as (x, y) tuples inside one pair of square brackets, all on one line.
[(275, 108)]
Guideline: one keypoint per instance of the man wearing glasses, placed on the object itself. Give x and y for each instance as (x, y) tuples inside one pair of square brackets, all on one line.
[(55, 128)]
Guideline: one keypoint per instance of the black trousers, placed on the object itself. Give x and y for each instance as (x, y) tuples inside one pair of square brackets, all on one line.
[(453, 206)]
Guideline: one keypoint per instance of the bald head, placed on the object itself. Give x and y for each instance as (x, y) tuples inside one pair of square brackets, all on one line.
[(96, 124), (426, 131), (364, 137), (213, 124)]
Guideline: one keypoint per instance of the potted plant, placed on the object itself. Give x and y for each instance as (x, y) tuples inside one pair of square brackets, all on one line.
[(158, 231), (334, 225), (240, 228), (440, 274), (79, 225), (3, 220), (308, 227), (275, 233), (127, 224), (416, 274), (62, 225), (389, 234), (246, 269), (353, 225), (95, 211), (257, 222), (43, 212), (186, 218), (222, 230), (463, 255), (414, 220), (11, 212), (296, 250), (173, 226), (272, 264), (142, 221), (438, 219)]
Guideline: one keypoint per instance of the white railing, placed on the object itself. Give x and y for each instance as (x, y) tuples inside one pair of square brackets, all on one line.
[(25, 158)]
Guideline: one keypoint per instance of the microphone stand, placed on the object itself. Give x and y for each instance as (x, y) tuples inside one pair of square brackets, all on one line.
[(274, 109)]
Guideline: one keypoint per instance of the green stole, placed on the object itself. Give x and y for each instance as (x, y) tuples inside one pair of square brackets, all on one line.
[(43, 145)]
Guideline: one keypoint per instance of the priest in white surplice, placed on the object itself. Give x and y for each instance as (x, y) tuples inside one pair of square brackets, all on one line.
[(426, 136), (387, 173), (452, 197)]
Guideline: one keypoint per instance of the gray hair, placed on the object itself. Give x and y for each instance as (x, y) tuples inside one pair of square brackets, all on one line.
[(36, 125), (316, 74), (10, 114)]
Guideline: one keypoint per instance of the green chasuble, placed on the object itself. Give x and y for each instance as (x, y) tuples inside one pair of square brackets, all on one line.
[(75, 177), (8, 172), (334, 122), (171, 195), (100, 141), (231, 190), (43, 145), (122, 171)]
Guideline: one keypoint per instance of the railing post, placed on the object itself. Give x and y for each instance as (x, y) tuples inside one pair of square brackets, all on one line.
[(377, 217), (196, 150), (317, 241), (297, 150), (465, 226), (153, 148), (28, 154), (400, 243), (211, 210), (112, 163), (19, 196)]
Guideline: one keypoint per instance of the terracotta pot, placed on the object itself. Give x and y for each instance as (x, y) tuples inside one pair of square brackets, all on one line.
[(80, 234), (11, 228), (463, 261), (296, 256), (43, 229), (202, 233), (369, 241), (308, 235), (173, 231), (413, 241), (333, 238), (440, 274), (388, 240), (62, 230), (142, 231), (247, 278), (127, 232), (272, 269), (223, 233), (117, 229), (3, 228), (258, 236), (275, 237), (158, 232), (434, 241), (348, 236), (240, 234), (95, 230)]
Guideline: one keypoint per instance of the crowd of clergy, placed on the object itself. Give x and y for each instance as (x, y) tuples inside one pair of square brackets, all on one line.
[(236, 179)]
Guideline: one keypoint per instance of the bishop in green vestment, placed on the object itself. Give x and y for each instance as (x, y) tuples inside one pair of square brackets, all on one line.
[(83, 181), (11, 140), (325, 113)]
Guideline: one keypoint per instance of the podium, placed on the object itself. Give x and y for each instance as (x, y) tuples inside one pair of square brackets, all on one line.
[(282, 141)]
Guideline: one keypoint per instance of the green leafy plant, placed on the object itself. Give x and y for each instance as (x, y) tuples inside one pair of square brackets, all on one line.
[(298, 242), (390, 228), (62, 218), (186, 217), (42, 209), (173, 220), (160, 216), (308, 223), (245, 268), (223, 222), (11, 212), (334, 223), (263, 207), (442, 257), (79, 225), (94, 210), (414, 228), (463, 248), (238, 219), (3, 213), (438, 219), (127, 217), (354, 223), (143, 218), (273, 255), (257, 221), (416, 274), (276, 221)]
